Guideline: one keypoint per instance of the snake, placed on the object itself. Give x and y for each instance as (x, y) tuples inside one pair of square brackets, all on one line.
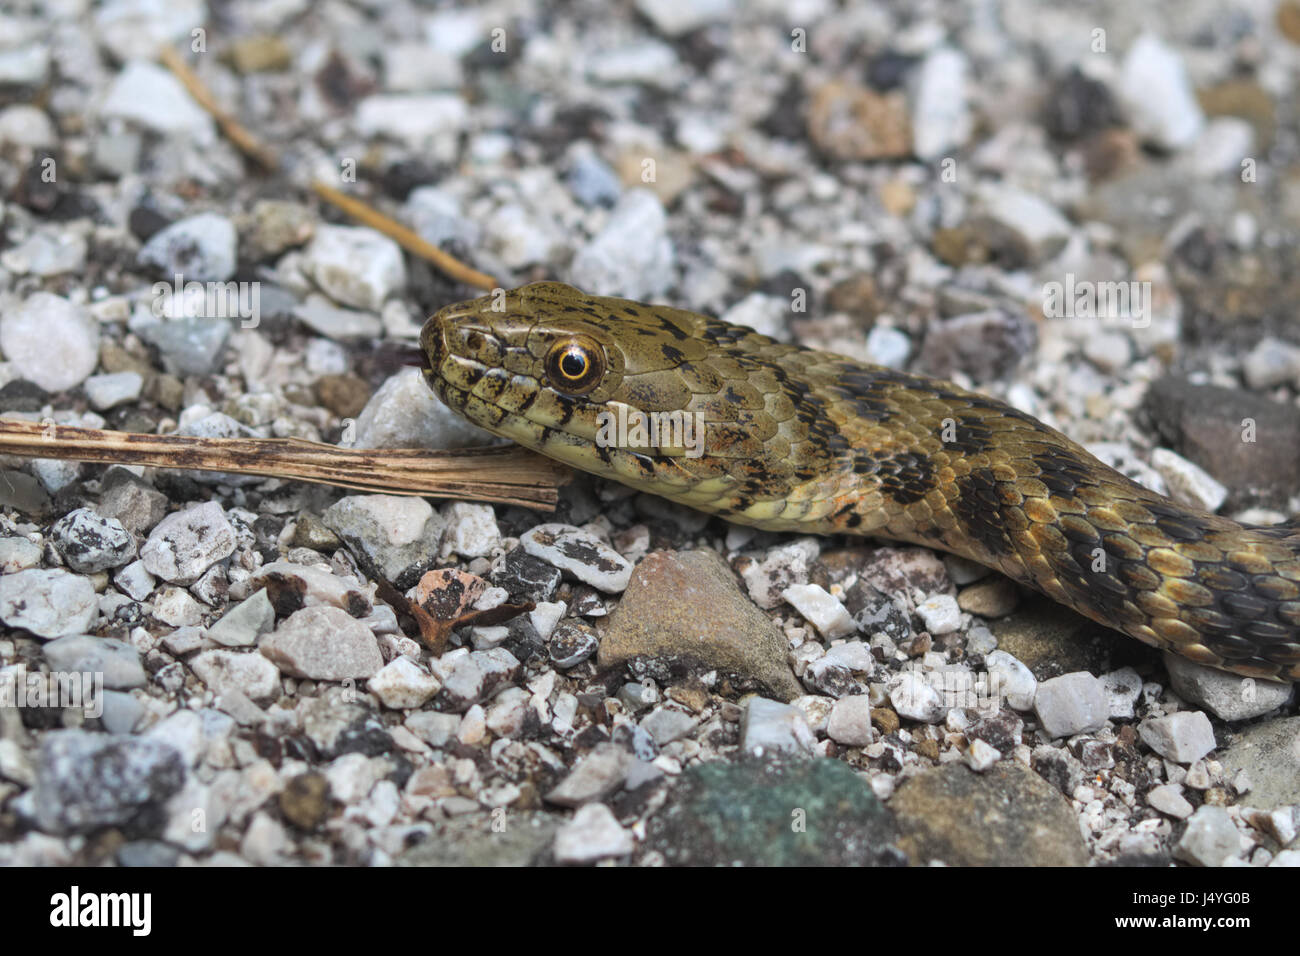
[(797, 439)]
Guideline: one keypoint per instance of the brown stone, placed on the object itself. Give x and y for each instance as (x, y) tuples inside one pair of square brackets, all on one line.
[(685, 610)]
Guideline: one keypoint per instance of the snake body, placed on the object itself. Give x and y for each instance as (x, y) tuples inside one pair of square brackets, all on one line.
[(801, 440)]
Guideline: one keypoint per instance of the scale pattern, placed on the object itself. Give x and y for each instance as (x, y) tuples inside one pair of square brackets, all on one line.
[(801, 440)]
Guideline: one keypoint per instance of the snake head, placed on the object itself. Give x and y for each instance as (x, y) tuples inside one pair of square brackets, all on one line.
[(550, 367)]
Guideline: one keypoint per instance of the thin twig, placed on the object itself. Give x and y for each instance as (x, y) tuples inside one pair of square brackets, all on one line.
[(408, 240), (235, 131), (508, 475)]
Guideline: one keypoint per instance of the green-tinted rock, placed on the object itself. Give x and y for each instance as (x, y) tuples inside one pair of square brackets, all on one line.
[(783, 812)]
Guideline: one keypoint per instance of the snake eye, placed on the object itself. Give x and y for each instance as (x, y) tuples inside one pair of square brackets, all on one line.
[(575, 366)]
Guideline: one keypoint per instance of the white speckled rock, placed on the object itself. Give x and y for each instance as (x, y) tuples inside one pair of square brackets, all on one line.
[(915, 698), (1188, 483), (402, 684), (1123, 688), (50, 341), (89, 542), (354, 265), (199, 248), (472, 530), (1071, 704), (323, 643), (1211, 838), (404, 413), (940, 614), (150, 96), (1183, 737), (48, 602), (1158, 93), (769, 725), (186, 543), (822, 610), (1168, 799), (593, 834), (1228, 696), (249, 673), (941, 119), (117, 388), (850, 721), (581, 554), (632, 256), (117, 661)]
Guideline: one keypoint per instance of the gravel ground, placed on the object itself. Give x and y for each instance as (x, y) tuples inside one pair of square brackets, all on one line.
[(1091, 215)]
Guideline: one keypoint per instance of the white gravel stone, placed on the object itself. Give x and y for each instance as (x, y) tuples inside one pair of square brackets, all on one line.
[(175, 606), (247, 672), (135, 581), (672, 18), (1183, 737), (820, 609), (1168, 799), (472, 530), (632, 255), (354, 265), (641, 61), (940, 614), (47, 252), (915, 698), (1270, 363), (1036, 227), (117, 661), (402, 684), (595, 776), (323, 643), (850, 721), (982, 755), (428, 123), (1188, 483), (1227, 696), (50, 341), (398, 534), (1071, 704), (581, 554), (888, 346), (404, 413), (243, 624), (1154, 86), (545, 615), (150, 96), (1123, 687), (941, 118), (593, 834), (18, 554), (1211, 838), (186, 543), (336, 322), (199, 249), (25, 125), (48, 602), (769, 725), (113, 389)]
